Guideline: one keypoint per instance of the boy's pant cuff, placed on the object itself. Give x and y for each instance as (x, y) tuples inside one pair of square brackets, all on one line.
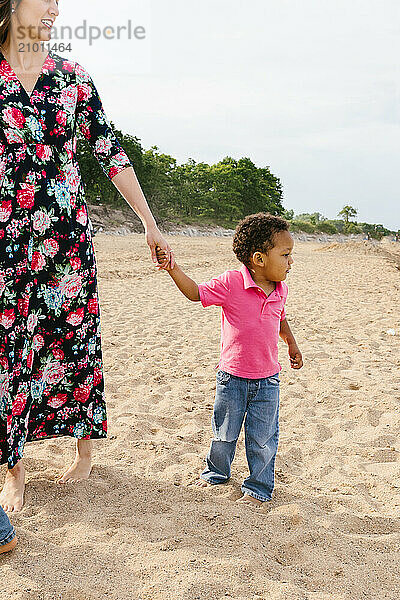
[(212, 479), (254, 494), (9, 538)]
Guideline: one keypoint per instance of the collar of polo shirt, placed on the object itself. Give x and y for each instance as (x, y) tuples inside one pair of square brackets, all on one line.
[(249, 281)]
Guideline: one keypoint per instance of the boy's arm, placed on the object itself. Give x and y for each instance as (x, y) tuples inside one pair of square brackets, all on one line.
[(296, 359), (187, 286)]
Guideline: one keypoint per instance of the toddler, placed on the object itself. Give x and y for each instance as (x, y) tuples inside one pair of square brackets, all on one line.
[(247, 381)]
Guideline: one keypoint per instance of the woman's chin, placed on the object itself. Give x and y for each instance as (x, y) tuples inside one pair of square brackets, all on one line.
[(44, 35)]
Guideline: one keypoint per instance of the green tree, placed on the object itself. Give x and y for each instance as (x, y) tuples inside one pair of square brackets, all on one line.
[(157, 181), (241, 188), (221, 193), (288, 214), (313, 218), (347, 213), (192, 189)]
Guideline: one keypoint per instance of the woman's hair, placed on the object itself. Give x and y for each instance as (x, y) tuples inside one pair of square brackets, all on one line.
[(256, 233), (5, 18)]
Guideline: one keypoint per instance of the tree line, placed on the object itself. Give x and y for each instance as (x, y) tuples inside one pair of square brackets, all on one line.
[(317, 223), (218, 194)]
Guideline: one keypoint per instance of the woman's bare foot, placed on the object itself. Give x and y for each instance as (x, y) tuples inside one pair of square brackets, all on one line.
[(247, 499), (82, 465), (8, 547), (12, 495)]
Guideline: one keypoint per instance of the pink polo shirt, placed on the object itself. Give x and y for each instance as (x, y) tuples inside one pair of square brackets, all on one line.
[(250, 322)]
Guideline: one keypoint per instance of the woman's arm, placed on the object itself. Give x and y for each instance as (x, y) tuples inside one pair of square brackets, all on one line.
[(128, 186)]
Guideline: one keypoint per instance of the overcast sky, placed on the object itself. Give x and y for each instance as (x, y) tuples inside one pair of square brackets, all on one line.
[(309, 88)]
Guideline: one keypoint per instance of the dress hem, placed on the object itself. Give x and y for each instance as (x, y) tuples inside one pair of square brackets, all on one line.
[(11, 464)]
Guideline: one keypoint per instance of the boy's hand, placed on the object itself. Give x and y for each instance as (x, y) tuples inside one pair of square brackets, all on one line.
[(161, 257), (296, 359)]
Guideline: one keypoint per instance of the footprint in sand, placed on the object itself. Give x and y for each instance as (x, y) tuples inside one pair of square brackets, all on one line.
[(384, 441), (387, 455), (163, 389), (324, 433), (55, 449), (373, 417), (367, 525)]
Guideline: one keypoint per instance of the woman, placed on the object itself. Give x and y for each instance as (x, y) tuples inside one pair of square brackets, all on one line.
[(51, 370)]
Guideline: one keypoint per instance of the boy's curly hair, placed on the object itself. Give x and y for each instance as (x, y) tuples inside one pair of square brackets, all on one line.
[(256, 233)]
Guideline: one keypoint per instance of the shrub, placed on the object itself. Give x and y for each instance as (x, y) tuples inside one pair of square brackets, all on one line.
[(326, 227), (352, 228), (298, 226)]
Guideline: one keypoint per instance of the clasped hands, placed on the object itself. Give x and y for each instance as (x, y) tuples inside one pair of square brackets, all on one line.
[(163, 258)]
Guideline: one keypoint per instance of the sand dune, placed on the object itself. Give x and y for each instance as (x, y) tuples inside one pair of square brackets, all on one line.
[(138, 530)]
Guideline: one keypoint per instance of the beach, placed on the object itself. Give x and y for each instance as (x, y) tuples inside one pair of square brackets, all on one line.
[(140, 530)]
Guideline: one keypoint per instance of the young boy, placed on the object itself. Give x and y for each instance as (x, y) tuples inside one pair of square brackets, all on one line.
[(253, 317), (8, 541)]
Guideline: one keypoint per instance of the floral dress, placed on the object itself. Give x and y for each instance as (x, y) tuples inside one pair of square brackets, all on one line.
[(51, 369)]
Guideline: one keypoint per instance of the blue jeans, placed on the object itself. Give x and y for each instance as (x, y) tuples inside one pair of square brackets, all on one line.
[(258, 400), (7, 532)]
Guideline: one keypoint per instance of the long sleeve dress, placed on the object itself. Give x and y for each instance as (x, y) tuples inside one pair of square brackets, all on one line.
[(51, 366)]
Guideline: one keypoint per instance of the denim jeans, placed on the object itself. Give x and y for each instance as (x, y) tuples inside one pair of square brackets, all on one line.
[(7, 532), (258, 400)]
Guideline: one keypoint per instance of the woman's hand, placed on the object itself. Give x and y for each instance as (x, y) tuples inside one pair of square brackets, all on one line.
[(154, 238)]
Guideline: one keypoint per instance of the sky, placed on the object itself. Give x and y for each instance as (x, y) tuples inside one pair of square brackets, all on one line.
[(309, 88)]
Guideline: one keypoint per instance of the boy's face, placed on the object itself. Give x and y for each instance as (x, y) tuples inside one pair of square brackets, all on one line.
[(275, 265)]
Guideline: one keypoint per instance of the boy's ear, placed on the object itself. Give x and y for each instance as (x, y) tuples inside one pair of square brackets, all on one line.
[(258, 259)]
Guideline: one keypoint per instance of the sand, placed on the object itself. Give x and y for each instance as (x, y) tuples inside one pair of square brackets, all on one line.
[(139, 530)]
